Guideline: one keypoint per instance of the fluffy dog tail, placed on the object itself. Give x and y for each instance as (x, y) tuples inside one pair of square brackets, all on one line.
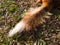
[(31, 20)]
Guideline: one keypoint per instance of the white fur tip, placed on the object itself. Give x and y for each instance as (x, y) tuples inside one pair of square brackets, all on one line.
[(18, 28), (10, 34)]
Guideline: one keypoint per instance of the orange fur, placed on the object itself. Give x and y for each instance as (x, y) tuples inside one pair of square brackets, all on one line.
[(34, 20), (50, 4)]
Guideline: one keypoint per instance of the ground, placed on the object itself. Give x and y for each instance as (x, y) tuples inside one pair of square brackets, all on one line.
[(11, 11)]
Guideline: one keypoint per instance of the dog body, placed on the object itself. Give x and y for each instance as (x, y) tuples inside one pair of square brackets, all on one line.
[(50, 4)]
